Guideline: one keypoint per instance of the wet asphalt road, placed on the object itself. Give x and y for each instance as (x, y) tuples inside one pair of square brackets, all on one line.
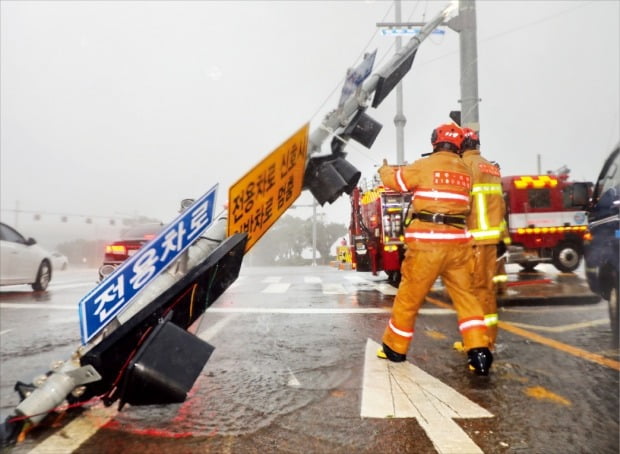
[(290, 373)]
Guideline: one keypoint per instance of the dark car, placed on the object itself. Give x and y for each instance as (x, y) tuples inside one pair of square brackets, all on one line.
[(601, 251), (131, 241)]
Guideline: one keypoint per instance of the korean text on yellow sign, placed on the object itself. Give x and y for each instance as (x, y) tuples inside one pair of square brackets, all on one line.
[(260, 197)]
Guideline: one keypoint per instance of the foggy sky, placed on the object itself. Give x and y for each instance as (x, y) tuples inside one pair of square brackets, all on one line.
[(118, 108)]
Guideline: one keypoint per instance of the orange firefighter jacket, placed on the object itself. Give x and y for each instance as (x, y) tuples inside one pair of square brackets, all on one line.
[(440, 183), (486, 221)]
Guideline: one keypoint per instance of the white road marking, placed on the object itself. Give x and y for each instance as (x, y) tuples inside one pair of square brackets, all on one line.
[(237, 282), (386, 289), (402, 390), (354, 278), (319, 311), (5, 331), (292, 381), (253, 310), (212, 330), (276, 288), (334, 289), (312, 279), (67, 286), (272, 279)]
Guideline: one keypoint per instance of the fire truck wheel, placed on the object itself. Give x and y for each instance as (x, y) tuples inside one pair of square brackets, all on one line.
[(394, 278), (566, 257), (362, 263)]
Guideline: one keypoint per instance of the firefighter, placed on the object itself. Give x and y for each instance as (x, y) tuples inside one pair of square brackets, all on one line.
[(501, 278), (438, 244), (486, 223)]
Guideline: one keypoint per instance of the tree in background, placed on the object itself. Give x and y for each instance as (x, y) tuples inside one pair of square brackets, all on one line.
[(326, 236), (285, 241)]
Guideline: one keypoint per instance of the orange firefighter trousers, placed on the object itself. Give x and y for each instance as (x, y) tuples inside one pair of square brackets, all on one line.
[(485, 258), (419, 270)]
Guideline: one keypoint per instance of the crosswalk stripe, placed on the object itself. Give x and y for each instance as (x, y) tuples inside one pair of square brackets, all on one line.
[(354, 278), (334, 289), (386, 289), (272, 279), (312, 280), (276, 288)]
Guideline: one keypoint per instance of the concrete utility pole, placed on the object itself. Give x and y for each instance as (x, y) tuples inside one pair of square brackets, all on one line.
[(314, 215), (465, 24), (399, 119)]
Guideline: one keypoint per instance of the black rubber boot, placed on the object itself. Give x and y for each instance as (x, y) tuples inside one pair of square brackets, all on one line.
[(480, 359), (387, 353)]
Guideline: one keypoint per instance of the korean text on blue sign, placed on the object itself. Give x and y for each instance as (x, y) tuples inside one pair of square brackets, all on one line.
[(104, 302)]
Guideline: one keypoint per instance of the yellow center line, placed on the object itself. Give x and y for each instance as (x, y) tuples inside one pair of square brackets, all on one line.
[(578, 352)]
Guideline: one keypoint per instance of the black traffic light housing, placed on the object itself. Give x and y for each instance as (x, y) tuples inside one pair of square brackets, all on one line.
[(327, 177), (455, 116)]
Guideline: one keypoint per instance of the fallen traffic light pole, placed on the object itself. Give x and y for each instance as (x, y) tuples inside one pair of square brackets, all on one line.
[(128, 339)]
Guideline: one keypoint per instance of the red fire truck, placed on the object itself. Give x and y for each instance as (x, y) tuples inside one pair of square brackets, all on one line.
[(376, 230), (547, 219), (545, 215)]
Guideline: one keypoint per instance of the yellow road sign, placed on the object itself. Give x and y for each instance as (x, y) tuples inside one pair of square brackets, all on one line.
[(263, 194)]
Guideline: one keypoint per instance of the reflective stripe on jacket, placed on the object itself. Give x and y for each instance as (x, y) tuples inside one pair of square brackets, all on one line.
[(486, 220)]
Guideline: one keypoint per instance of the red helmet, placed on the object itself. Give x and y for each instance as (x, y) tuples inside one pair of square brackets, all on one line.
[(447, 133), (471, 139)]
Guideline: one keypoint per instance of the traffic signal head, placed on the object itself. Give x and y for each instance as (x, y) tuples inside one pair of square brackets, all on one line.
[(327, 177)]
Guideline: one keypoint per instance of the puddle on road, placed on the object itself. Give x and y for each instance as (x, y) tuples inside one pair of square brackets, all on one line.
[(234, 401), (245, 386)]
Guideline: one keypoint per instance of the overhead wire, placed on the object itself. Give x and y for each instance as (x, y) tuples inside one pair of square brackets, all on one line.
[(390, 48), (342, 79), (363, 152), (513, 30), (365, 48)]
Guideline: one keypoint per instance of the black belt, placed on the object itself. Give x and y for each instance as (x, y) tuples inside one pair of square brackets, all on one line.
[(440, 218)]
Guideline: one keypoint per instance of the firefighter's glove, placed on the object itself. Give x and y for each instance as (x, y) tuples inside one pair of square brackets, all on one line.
[(384, 168), (501, 248)]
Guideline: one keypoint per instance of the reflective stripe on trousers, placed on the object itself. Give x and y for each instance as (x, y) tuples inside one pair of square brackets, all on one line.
[(421, 267)]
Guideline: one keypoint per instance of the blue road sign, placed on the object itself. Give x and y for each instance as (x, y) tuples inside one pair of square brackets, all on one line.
[(104, 302), (357, 75)]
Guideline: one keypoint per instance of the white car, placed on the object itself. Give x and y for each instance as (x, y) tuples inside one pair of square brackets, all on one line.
[(59, 261), (22, 261)]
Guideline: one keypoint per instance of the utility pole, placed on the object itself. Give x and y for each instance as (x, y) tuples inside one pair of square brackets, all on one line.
[(465, 24), (399, 119), (314, 204)]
